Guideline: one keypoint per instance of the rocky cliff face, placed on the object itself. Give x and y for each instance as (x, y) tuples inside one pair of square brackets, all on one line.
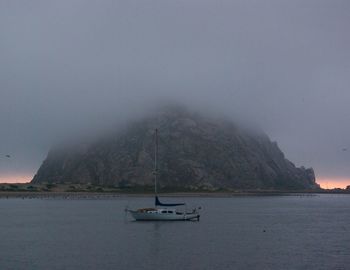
[(194, 153)]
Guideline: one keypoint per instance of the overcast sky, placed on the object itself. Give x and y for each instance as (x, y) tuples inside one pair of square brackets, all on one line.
[(65, 65)]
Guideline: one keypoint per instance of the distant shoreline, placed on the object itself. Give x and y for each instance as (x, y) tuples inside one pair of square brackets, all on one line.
[(70, 190), (97, 195)]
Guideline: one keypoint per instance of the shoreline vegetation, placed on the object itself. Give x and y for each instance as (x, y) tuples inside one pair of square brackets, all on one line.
[(48, 190)]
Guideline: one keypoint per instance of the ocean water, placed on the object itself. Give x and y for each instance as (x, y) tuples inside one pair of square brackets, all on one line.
[(252, 232)]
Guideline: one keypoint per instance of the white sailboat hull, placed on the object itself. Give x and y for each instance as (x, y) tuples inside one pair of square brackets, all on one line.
[(157, 215)]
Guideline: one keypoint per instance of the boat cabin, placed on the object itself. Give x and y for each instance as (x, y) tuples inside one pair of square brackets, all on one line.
[(159, 211)]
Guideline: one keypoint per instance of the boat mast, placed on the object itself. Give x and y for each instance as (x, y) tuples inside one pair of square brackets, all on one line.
[(155, 162)]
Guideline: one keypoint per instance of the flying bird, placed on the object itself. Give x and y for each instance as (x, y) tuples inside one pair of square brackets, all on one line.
[(345, 149), (8, 156)]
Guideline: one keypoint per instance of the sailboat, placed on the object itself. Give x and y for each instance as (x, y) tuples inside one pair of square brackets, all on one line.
[(162, 211)]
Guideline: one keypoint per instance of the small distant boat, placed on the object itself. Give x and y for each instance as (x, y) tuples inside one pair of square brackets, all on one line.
[(162, 211)]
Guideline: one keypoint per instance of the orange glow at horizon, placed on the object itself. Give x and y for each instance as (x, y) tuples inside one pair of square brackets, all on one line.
[(15, 178), (330, 183)]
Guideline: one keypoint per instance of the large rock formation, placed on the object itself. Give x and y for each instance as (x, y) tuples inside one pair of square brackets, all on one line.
[(195, 152)]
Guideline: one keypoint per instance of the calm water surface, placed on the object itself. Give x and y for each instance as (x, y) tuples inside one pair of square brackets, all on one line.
[(274, 232)]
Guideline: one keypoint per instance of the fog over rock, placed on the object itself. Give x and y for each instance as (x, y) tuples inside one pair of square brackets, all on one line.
[(195, 152), (78, 66)]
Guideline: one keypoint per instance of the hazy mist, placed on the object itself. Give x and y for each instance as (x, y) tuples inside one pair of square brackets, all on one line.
[(73, 66)]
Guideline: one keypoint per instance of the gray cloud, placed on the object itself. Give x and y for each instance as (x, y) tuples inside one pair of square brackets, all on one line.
[(69, 65)]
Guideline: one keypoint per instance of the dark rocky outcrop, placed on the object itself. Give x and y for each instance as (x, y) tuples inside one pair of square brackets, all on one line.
[(195, 152)]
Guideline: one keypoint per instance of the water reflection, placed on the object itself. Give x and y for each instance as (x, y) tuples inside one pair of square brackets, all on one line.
[(300, 233)]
